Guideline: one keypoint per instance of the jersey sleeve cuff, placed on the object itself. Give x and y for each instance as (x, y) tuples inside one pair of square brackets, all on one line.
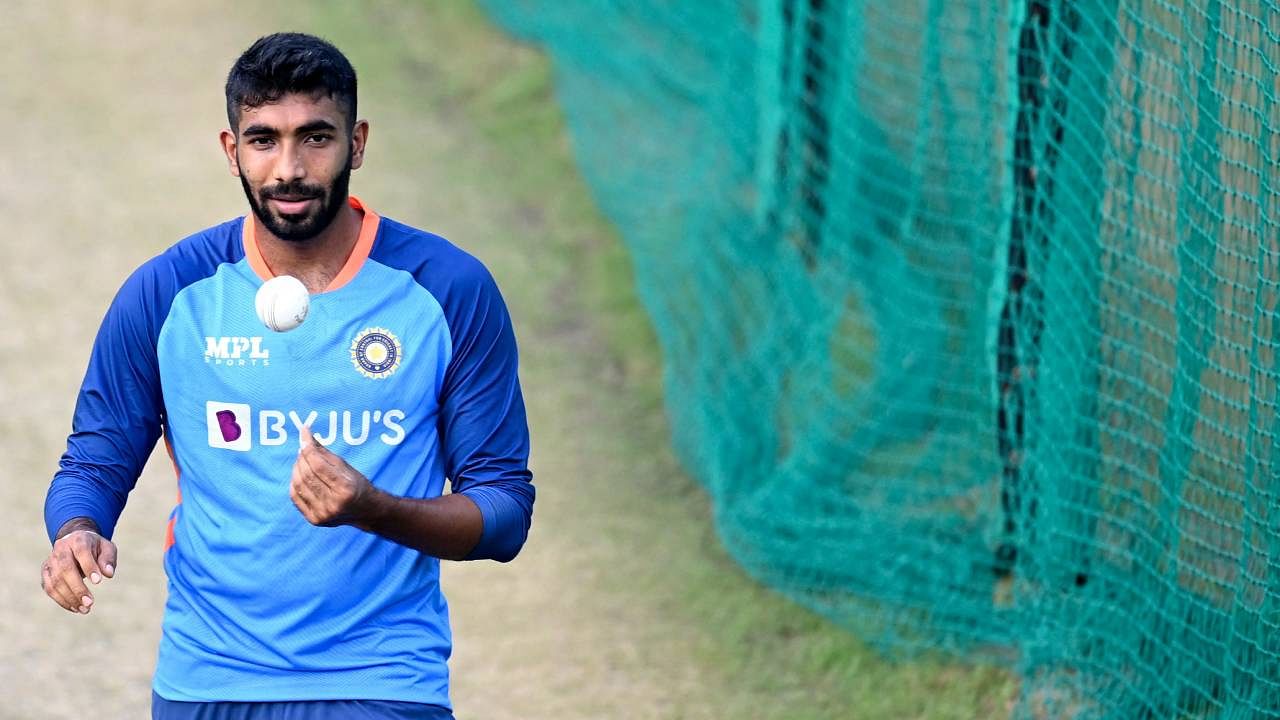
[(57, 516), (506, 514)]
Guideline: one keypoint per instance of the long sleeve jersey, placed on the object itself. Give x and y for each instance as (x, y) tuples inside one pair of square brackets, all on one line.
[(405, 367)]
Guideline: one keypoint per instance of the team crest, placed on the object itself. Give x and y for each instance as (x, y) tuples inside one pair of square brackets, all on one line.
[(376, 353)]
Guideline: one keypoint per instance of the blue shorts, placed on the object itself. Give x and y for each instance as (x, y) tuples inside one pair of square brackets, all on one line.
[(162, 709)]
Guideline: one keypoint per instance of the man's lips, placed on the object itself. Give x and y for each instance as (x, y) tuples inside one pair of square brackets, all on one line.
[(291, 205)]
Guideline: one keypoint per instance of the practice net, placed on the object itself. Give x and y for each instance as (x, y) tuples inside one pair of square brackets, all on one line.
[(968, 316)]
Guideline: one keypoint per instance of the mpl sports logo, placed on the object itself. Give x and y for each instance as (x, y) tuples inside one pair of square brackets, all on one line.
[(237, 351), (231, 426)]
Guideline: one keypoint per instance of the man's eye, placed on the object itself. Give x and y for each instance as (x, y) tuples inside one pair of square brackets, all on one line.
[(260, 142), (317, 139)]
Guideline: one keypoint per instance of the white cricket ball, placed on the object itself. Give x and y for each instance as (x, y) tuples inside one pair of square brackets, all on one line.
[(282, 303)]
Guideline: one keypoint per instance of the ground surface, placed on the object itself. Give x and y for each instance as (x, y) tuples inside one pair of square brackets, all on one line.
[(622, 604)]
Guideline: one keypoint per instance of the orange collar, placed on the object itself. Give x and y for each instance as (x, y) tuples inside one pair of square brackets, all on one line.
[(364, 243)]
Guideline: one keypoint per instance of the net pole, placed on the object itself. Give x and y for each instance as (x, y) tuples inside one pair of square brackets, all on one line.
[(1019, 333)]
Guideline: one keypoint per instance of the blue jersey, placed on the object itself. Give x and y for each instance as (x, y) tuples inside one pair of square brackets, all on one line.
[(405, 367)]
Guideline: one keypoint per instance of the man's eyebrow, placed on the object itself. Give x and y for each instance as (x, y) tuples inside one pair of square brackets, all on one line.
[(258, 130), (315, 125)]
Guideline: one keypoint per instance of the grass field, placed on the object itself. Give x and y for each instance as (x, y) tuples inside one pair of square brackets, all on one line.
[(622, 605)]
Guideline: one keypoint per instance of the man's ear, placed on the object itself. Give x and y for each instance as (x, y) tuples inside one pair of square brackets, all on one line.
[(228, 140), (359, 136)]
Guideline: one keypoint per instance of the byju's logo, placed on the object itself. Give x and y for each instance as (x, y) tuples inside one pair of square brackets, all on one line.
[(236, 351), (230, 426)]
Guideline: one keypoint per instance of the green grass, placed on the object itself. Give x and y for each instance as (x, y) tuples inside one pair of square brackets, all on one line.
[(779, 660)]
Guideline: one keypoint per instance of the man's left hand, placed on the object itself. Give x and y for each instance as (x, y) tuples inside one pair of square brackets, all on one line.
[(327, 490)]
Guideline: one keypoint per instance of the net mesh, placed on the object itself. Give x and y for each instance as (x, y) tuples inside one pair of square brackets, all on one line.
[(967, 311)]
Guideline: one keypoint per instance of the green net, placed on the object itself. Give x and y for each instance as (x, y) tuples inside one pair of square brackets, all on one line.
[(967, 314)]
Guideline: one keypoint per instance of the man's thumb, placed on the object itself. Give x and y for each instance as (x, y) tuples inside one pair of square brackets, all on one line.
[(107, 557), (308, 439)]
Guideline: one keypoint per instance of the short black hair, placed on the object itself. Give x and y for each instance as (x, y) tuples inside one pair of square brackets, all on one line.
[(284, 63)]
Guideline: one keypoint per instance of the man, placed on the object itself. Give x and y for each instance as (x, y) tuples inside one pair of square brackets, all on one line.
[(302, 555)]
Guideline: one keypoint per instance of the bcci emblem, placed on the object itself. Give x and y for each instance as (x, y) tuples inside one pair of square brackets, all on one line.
[(376, 353)]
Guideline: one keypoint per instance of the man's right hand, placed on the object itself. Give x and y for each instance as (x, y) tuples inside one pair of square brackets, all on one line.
[(79, 553)]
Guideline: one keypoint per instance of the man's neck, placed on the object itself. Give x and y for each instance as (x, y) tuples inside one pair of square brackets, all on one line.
[(316, 261)]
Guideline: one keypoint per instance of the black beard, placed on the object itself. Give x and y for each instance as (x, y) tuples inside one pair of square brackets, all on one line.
[(300, 228)]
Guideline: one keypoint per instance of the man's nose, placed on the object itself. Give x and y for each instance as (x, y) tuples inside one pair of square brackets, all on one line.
[(289, 165)]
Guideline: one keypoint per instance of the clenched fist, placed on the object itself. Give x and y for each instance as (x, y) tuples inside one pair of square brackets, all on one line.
[(79, 553), (327, 490)]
